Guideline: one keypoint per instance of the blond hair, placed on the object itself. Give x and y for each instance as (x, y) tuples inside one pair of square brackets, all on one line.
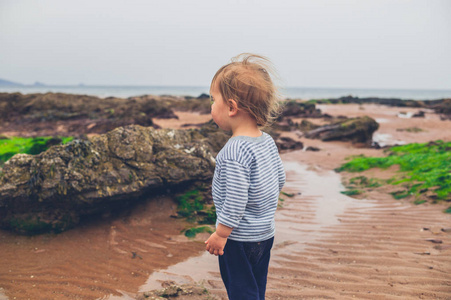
[(247, 80)]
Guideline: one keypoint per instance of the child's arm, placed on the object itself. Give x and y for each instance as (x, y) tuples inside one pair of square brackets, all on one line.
[(216, 242)]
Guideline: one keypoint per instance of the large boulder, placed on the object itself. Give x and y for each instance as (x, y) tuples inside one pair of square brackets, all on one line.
[(293, 108), (357, 130), (52, 190)]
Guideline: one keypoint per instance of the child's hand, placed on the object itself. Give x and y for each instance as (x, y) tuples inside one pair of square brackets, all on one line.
[(216, 244)]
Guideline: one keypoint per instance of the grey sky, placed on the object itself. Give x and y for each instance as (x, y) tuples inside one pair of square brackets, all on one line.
[(354, 43)]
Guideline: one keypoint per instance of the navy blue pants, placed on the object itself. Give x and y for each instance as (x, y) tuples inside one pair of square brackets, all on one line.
[(244, 269)]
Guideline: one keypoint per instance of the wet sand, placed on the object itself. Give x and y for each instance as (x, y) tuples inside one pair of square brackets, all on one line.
[(102, 257), (328, 246), (371, 249)]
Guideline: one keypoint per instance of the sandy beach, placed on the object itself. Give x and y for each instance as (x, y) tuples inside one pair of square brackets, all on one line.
[(328, 245)]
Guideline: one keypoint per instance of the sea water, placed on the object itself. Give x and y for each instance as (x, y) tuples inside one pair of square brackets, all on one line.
[(194, 91)]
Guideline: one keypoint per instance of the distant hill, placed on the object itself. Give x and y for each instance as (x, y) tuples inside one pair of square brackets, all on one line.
[(8, 83)]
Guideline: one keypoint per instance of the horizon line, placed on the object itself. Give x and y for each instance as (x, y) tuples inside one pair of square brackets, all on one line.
[(206, 86)]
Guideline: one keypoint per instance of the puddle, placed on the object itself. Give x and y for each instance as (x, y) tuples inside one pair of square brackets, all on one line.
[(325, 187), (406, 115), (385, 139), (199, 269)]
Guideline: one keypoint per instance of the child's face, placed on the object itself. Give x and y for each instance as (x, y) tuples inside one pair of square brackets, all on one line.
[(219, 109)]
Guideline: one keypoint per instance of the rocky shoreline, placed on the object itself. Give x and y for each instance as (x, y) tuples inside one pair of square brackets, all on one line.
[(120, 162), (33, 115), (51, 191)]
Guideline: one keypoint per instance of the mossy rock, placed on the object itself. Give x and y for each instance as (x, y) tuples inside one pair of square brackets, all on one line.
[(356, 130)]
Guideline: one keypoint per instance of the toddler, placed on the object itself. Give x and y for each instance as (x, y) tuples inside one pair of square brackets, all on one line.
[(248, 176)]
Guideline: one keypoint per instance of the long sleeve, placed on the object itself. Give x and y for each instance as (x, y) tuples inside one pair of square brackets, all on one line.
[(235, 179), (246, 186)]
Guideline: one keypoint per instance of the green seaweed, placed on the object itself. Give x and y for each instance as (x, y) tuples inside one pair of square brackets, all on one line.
[(11, 146), (191, 232), (425, 166), (319, 101), (189, 203), (193, 207), (30, 225), (351, 192), (34, 225), (410, 129), (291, 195), (209, 216), (365, 181)]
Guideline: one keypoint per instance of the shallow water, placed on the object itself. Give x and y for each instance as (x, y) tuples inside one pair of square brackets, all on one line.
[(385, 139)]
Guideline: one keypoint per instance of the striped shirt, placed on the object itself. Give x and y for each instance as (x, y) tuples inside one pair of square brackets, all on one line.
[(246, 184)]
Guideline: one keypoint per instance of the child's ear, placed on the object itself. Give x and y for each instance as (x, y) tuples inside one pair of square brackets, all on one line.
[(233, 108)]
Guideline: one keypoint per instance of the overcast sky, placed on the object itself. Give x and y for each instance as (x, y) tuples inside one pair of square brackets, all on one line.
[(353, 43)]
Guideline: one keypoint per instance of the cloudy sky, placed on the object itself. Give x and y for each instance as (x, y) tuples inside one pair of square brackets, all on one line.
[(317, 43)]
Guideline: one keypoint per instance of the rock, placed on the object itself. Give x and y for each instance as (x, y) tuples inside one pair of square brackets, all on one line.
[(384, 101), (287, 124), (442, 107), (311, 148), (204, 96), (306, 126), (284, 124), (293, 108), (286, 143), (52, 190), (174, 291), (375, 145), (419, 114), (435, 241), (44, 114), (357, 130)]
